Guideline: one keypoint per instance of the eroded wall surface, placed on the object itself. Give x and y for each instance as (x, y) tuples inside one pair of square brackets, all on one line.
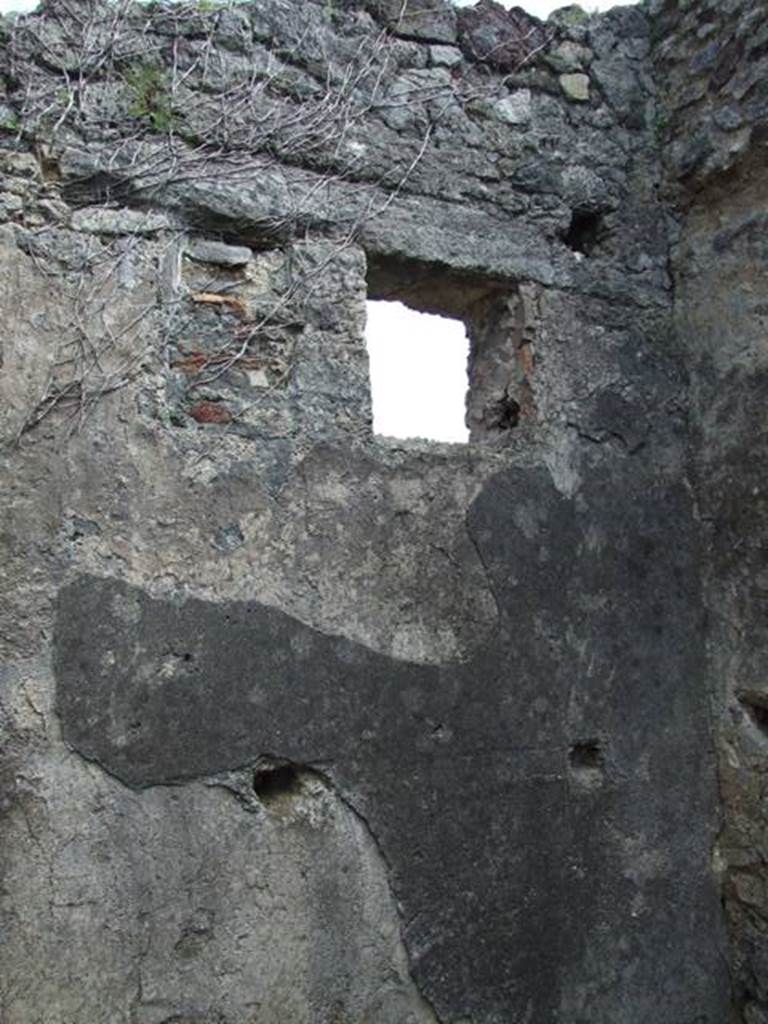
[(300, 723), (713, 59)]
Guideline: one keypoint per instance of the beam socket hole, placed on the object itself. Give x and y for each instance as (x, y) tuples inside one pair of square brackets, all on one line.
[(270, 784), (587, 762), (756, 707), (584, 232)]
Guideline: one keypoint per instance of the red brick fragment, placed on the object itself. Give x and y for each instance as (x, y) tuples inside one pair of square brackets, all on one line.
[(211, 412)]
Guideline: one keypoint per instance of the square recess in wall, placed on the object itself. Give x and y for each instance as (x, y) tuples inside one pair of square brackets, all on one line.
[(418, 367)]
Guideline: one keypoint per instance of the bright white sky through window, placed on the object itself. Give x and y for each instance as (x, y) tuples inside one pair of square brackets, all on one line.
[(418, 373)]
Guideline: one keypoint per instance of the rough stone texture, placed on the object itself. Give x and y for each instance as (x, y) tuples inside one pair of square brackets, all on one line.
[(714, 60), (303, 724), (575, 85), (714, 102)]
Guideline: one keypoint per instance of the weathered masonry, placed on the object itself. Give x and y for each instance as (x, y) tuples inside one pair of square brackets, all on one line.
[(299, 725)]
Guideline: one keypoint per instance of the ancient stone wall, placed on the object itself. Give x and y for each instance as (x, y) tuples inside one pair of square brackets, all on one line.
[(299, 723), (712, 62)]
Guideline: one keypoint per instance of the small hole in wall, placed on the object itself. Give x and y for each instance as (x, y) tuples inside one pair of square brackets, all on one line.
[(584, 231), (586, 762), (418, 365), (756, 707), (503, 414), (270, 784)]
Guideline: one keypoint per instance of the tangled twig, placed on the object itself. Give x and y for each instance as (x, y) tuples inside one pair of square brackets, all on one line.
[(163, 111)]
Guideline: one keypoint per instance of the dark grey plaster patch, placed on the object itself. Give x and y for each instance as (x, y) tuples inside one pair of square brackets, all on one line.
[(518, 884)]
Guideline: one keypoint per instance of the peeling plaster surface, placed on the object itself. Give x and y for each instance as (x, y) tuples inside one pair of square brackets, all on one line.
[(301, 724), (466, 774)]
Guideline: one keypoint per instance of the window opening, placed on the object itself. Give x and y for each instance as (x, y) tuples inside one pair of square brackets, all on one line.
[(418, 367)]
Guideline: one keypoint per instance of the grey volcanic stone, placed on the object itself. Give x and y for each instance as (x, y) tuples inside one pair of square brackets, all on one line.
[(501, 38), (429, 20), (575, 85), (216, 252), (445, 56), (515, 108)]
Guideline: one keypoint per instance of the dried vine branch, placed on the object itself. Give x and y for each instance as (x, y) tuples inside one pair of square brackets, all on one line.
[(147, 90)]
